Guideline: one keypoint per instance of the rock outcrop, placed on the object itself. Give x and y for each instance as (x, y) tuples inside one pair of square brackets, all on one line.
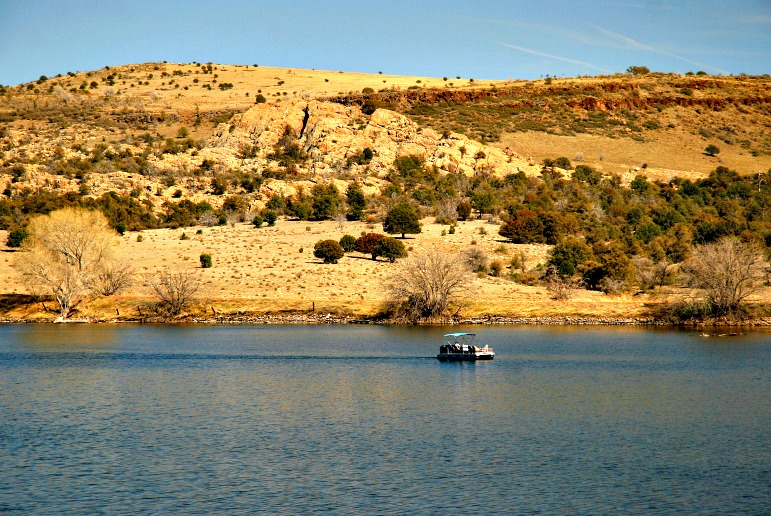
[(335, 136)]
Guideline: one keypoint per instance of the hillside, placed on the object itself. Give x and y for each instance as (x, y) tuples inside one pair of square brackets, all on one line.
[(162, 146), (616, 124)]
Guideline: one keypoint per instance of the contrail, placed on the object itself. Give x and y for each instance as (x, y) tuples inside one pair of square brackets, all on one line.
[(641, 46), (552, 56)]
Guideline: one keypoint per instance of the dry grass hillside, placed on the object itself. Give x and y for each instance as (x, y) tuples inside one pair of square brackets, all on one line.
[(272, 269), (162, 97), (657, 125)]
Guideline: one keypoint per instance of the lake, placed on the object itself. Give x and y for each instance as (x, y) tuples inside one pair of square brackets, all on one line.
[(363, 419)]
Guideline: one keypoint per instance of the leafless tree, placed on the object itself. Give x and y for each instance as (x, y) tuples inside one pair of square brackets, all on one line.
[(208, 219), (111, 278), (64, 252), (340, 218), (650, 274), (174, 290), (727, 272), (427, 284), (446, 211), (561, 289)]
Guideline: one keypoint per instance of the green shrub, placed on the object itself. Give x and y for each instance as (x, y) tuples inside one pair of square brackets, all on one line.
[(328, 250), (464, 209), (476, 259), (205, 260), (276, 203), (219, 185), (563, 163), (587, 174), (257, 221), (567, 255), (248, 151), (356, 201), (685, 311), (270, 217), (402, 218), (391, 249), (347, 243), (325, 201), (16, 237), (638, 70)]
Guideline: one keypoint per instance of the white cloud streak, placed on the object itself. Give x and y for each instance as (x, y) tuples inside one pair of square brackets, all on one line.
[(634, 44), (552, 56)]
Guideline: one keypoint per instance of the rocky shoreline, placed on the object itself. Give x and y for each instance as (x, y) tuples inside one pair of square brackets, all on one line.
[(305, 318)]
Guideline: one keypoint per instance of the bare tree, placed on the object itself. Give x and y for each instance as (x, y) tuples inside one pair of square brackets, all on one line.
[(446, 211), (174, 290), (650, 274), (727, 272), (111, 278), (208, 219), (561, 289), (427, 284), (340, 218), (64, 252)]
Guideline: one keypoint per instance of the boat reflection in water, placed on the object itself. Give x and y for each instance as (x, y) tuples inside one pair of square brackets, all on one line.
[(459, 347)]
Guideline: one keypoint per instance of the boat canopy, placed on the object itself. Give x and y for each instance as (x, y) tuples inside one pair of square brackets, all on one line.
[(460, 335)]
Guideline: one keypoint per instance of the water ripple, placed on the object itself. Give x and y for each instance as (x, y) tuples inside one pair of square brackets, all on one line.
[(186, 422)]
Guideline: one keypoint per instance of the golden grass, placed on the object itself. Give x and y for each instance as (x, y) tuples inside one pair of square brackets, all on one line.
[(675, 154), (262, 270), (258, 271), (143, 88)]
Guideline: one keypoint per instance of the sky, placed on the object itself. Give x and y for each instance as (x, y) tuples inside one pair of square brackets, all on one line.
[(480, 39)]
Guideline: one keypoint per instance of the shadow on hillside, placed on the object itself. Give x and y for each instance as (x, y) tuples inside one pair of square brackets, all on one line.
[(368, 258), (347, 257), (9, 302)]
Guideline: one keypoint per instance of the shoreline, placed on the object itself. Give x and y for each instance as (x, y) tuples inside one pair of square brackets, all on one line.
[(331, 319)]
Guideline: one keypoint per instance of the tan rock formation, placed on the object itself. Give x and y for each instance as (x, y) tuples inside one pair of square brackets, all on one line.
[(335, 134)]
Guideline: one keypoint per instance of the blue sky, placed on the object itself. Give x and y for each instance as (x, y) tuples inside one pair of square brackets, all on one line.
[(484, 39)]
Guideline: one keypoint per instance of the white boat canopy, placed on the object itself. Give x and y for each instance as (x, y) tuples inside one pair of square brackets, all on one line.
[(460, 335)]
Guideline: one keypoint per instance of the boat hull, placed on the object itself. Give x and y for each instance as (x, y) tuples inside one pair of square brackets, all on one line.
[(464, 357)]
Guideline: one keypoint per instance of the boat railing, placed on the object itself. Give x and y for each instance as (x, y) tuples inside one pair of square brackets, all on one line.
[(469, 350)]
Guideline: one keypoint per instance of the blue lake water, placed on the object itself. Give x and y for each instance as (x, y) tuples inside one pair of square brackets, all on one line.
[(363, 419)]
